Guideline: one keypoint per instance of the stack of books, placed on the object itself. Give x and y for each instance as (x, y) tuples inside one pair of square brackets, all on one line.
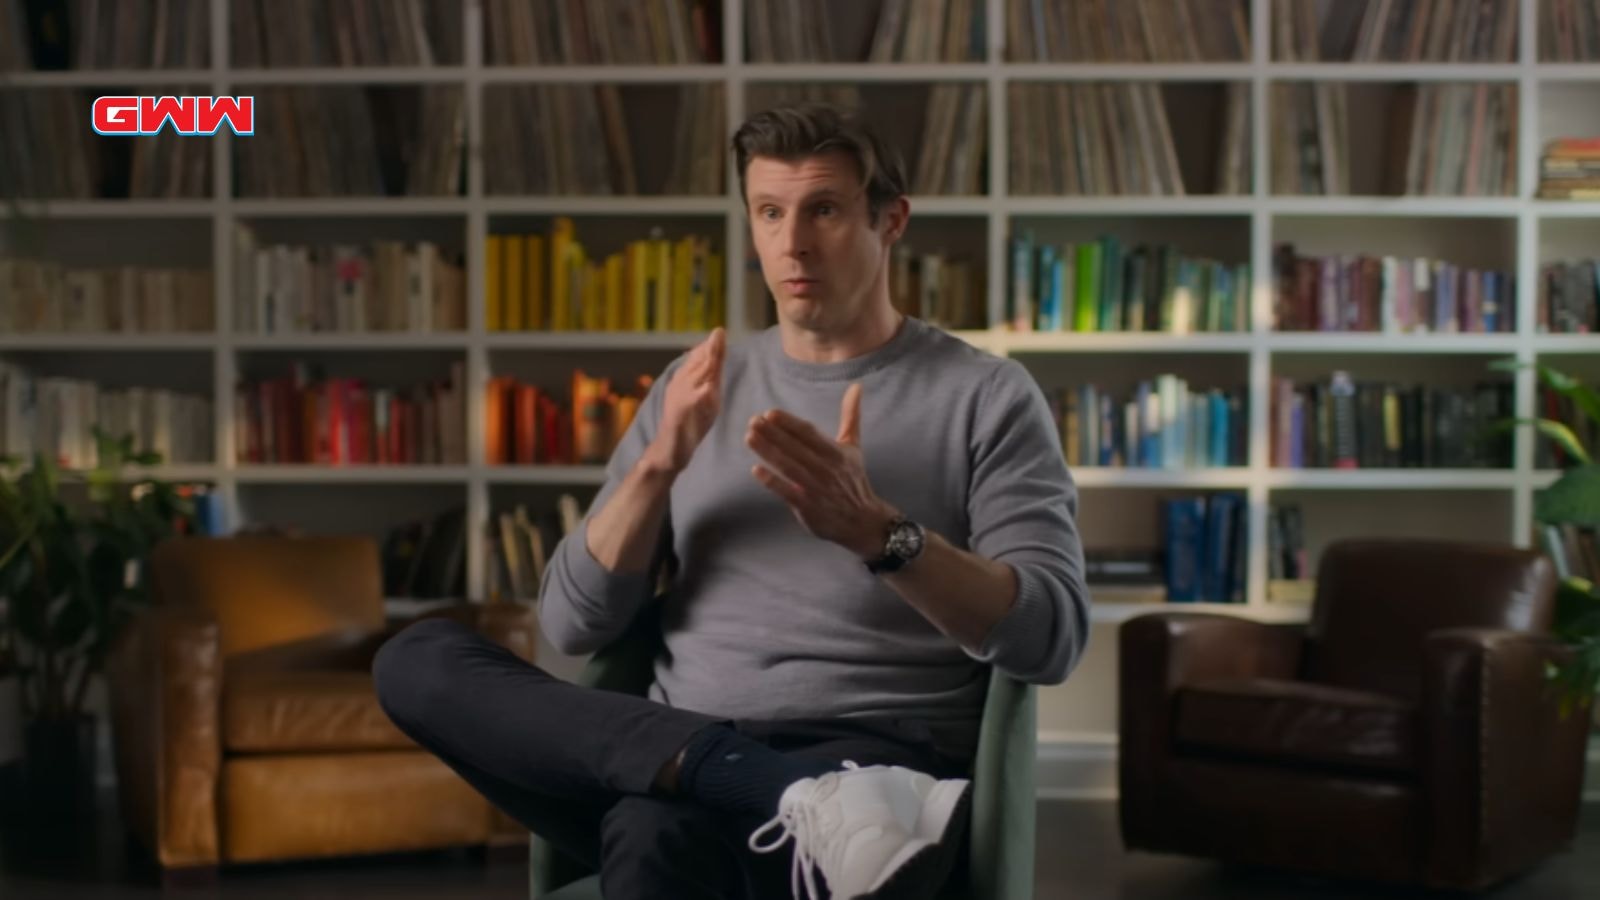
[(526, 424), (1104, 285), (342, 140), (56, 416), (308, 417), (1356, 292), (46, 296), (520, 545), (595, 155), (1164, 424), (635, 32), (1443, 140), (347, 288), (295, 33), (551, 282), (1568, 295), (1569, 31), (1570, 169), (1117, 139), (1128, 31), (1343, 423), (1385, 31), (1206, 541)]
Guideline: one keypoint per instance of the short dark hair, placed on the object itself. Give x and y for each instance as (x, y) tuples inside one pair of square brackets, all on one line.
[(799, 130)]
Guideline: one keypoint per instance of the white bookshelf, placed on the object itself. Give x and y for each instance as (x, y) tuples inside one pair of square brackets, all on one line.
[(1260, 218)]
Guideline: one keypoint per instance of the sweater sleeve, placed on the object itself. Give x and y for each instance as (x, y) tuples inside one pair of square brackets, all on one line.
[(583, 605), (1022, 507)]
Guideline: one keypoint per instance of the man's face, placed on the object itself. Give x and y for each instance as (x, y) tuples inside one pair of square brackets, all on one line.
[(820, 253)]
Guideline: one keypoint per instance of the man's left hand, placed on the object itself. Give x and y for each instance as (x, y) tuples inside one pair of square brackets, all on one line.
[(823, 481)]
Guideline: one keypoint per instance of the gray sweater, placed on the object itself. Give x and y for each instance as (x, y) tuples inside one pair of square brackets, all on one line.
[(765, 621)]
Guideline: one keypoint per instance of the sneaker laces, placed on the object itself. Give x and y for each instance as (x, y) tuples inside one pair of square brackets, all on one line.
[(803, 822)]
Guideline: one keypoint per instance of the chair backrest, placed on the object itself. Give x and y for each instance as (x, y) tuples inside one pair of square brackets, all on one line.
[(269, 590), (1004, 804), (1377, 599)]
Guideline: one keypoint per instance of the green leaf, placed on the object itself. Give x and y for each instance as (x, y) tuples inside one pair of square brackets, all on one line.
[(1577, 609), (1557, 432), (1574, 498), (1567, 386)]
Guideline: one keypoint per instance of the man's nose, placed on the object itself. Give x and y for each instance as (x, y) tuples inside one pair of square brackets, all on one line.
[(795, 238)]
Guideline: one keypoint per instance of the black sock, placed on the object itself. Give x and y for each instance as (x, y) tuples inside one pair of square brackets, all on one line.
[(725, 770)]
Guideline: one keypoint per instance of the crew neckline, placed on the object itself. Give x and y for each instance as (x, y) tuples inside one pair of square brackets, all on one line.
[(910, 330)]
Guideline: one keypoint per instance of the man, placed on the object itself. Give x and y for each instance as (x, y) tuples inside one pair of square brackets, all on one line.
[(862, 514)]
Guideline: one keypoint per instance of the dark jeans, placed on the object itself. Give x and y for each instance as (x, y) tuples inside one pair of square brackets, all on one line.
[(576, 765)]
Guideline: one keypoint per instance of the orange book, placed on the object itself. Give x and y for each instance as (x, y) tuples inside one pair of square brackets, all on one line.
[(591, 415), (525, 429), (494, 421), (627, 407)]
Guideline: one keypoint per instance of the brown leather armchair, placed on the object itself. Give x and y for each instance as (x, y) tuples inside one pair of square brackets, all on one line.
[(245, 723), (1406, 734)]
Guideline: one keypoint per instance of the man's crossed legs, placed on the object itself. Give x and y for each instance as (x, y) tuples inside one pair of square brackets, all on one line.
[(665, 802)]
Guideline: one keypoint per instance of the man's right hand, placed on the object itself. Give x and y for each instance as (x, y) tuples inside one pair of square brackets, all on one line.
[(693, 399)]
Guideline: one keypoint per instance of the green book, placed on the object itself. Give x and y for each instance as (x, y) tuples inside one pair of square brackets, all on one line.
[(1087, 302), (1110, 284)]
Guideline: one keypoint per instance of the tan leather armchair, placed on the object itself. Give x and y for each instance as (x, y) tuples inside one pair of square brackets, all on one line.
[(244, 719), (1406, 734)]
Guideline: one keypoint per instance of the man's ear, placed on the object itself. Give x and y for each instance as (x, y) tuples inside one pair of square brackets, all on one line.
[(896, 216)]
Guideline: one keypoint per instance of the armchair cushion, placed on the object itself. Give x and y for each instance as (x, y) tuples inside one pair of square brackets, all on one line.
[(1297, 722), (298, 711)]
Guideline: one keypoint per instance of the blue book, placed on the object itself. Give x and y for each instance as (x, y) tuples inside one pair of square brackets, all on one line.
[(1185, 548), (1049, 303), (1218, 547), (1019, 308), (1220, 428), (1149, 434)]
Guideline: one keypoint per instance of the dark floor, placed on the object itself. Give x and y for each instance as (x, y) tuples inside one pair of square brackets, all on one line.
[(1079, 857)]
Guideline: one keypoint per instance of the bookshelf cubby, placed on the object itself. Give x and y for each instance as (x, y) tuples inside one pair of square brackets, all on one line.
[(99, 202)]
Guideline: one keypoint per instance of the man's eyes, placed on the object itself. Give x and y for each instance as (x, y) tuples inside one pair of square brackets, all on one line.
[(823, 209)]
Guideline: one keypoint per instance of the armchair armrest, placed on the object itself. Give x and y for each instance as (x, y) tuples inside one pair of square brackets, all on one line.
[(1502, 768), (164, 675), (1158, 654)]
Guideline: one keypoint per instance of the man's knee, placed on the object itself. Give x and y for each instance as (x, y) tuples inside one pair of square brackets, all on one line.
[(407, 669)]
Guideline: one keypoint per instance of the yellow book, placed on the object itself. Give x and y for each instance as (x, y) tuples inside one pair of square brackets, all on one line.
[(719, 309), (578, 296), (538, 278), (614, 296), (594, 297), (493, 279), (682, 282), (661, 308), (512, 303), (699, 310), (638, 286), (561, 241)]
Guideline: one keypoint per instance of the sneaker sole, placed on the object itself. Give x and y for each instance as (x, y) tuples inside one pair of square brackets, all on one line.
[(920, 871)]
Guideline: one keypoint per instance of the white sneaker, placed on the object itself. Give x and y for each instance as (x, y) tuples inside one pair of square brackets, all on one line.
[(882, 831)]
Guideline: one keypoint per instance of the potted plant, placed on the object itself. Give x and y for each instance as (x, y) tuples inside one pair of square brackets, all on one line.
[(71, 573), (1572, 500)]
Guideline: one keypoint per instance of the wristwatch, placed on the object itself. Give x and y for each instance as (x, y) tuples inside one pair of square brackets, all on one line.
[(903, 543)]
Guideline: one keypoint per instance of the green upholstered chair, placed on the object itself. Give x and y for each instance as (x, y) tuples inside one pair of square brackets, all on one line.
[(1001, 839)]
